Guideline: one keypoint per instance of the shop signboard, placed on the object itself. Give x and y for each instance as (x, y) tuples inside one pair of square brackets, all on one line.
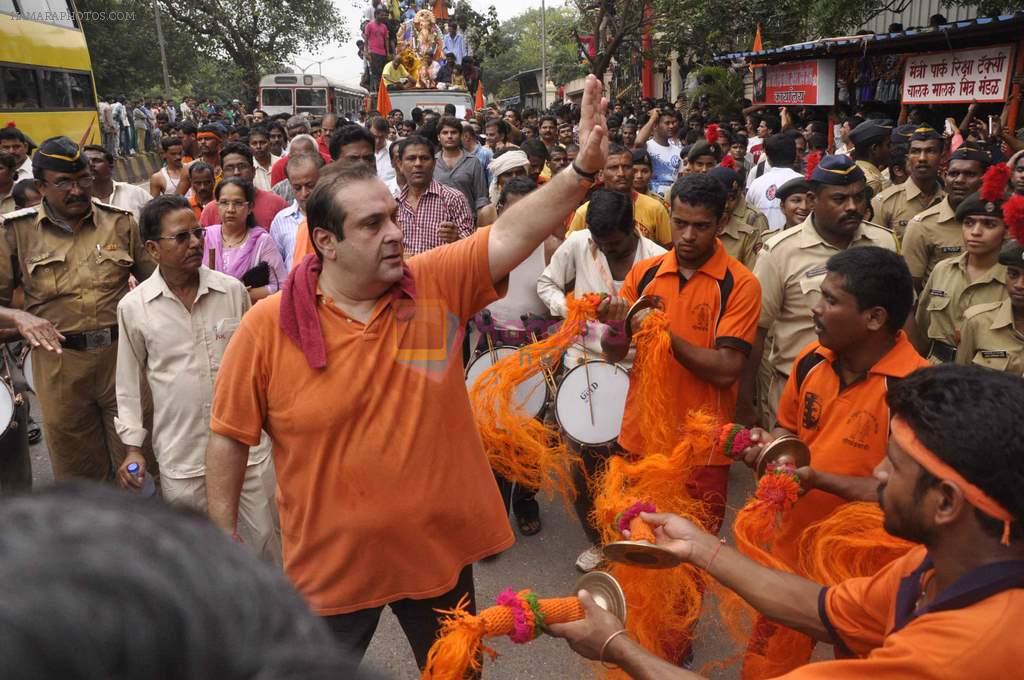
[(799, 83), (958, 77)]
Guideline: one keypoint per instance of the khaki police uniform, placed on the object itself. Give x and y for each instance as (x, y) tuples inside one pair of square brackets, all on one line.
[(873, 175), (944, 299), (897, 205), (749, 214), (932, 236), (989, 338), (74, 279), (790, 268), (742, 241), (7, 204)]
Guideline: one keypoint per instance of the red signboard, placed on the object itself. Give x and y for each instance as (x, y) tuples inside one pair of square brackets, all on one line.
[(801, 83)]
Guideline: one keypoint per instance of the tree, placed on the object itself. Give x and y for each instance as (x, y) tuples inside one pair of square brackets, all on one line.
[(256, 34), (518, 50), (719, 91), (481, 30)]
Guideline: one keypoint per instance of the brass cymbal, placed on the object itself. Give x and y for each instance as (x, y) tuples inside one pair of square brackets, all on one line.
[(641, 554), (786, 450), (606, 591)]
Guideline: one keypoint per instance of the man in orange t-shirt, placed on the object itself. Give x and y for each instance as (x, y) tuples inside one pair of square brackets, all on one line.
[(384, 492), (713, 303), (834, 400), (949, 608)]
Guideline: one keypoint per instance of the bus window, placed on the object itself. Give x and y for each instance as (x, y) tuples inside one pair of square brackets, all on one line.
[(55, 90), (20, 91), (81, 91), (49, 11), (8, 7), (314, 101), (277, 96)]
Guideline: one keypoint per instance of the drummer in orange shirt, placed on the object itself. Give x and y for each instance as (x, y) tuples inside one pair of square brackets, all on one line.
[(713, 303), (952, 480), (834, 400)]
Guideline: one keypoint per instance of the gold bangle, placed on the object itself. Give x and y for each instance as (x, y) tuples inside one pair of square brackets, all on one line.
[(604, 648)]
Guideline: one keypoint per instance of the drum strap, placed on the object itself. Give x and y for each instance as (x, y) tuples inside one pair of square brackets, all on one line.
[(725, 287)]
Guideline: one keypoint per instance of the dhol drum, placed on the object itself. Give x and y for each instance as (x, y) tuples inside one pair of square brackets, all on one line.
[(590, 401), (7, 405), (531, 394)]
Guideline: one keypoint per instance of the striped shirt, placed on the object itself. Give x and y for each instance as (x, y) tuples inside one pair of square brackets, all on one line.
[(439, 204)]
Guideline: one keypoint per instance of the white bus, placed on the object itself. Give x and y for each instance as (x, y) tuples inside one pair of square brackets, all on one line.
[(316, 95)]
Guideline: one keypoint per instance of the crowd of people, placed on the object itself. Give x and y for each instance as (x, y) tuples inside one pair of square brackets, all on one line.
[(275, 332)]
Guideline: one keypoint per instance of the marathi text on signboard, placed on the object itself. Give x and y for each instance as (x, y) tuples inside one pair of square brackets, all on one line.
[(802, 83), (958, 77)]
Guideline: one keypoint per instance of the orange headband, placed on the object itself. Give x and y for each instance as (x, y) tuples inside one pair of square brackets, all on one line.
[(908, 441), (207, 135)]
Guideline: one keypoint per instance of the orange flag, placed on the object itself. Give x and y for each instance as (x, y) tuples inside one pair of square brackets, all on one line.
[(383, 100), (758, 46), (479, 103)]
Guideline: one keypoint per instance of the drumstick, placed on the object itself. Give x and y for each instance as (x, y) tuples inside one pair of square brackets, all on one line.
[(490, 344), (549, 377), (590, 389)]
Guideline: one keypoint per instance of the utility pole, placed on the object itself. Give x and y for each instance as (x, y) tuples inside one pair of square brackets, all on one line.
[(543, 55), (163, 51)]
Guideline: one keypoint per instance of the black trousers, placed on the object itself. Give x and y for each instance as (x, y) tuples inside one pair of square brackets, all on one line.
[(593, 460), (419, 622)]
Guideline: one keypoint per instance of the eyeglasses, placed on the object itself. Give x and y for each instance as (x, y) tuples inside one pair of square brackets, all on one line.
[(182, 237), (67, 184), (237, 205)]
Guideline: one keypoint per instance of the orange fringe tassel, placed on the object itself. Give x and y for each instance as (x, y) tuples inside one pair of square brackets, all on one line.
[(664, 604), (523, 449), (653, 352), (849, 543), (460, 644)]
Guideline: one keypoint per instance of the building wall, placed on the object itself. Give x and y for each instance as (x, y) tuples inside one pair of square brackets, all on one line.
[(917, 14)]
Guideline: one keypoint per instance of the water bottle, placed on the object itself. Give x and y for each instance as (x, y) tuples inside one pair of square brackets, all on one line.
[(148, 489)]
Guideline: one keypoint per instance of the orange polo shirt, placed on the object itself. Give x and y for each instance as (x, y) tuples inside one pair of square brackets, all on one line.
[(383, 488), (967, 631), (846, 428), (303, 244), (696, 314)]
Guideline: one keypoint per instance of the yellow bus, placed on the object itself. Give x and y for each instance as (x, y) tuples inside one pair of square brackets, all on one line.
[(46, 84)]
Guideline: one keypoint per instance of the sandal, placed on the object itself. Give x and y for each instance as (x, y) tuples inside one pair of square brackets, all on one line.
[(528, 518)]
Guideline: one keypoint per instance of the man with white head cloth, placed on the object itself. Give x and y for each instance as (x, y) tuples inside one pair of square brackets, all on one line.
[(506, 165)]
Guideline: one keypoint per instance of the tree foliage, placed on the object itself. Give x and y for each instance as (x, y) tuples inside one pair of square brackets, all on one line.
[(481, 30), (719, 91), (519, 49), (256, 35)]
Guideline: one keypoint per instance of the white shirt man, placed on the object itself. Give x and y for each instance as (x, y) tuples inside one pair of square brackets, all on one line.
[(761, 195), (579, 260), (128, 197), (262, 178), (178, 352)]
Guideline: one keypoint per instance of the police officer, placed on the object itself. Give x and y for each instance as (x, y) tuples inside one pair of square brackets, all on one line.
[(741, 240), (935, 234), (796, 198), (791, 267), (899, 141), (73, 256), (896, 206), (974, 277), (993, 333), (871, 141)]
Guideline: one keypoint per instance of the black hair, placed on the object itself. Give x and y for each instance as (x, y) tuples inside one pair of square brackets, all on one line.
[(817, 142), (535, 148), (259, 130), (15, 134), (349, 134), (19, 192), (237, 149), (247, 188), (190, 602), (153, 214), (773, 122), (414, 140), (379, 124), (615, 149), (200, 166), (699, 189), (188, 127), (781, 151), (971, 418), (669, 113), (450, 122), (277, 125), (99, 149), (876, 277), (609, 211), (641, 157), (167, 142), (417, 115), (517, 186), (551, 119), (449, 110), (8, 161), (498, 123), (323, 209)]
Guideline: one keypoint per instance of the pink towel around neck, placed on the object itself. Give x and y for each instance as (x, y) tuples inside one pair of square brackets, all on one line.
[(300, 320)]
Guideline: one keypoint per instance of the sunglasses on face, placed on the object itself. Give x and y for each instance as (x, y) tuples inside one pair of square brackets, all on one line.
[(182, 237)]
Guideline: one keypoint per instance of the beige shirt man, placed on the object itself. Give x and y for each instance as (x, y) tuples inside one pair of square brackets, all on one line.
[(261, 180), (873, 175), (790, 268), (178, 352), (932, 236), (578, 266), (127, 197), (897, 205), (749, 214), (742, 241), (988, 338), (946, 296)]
